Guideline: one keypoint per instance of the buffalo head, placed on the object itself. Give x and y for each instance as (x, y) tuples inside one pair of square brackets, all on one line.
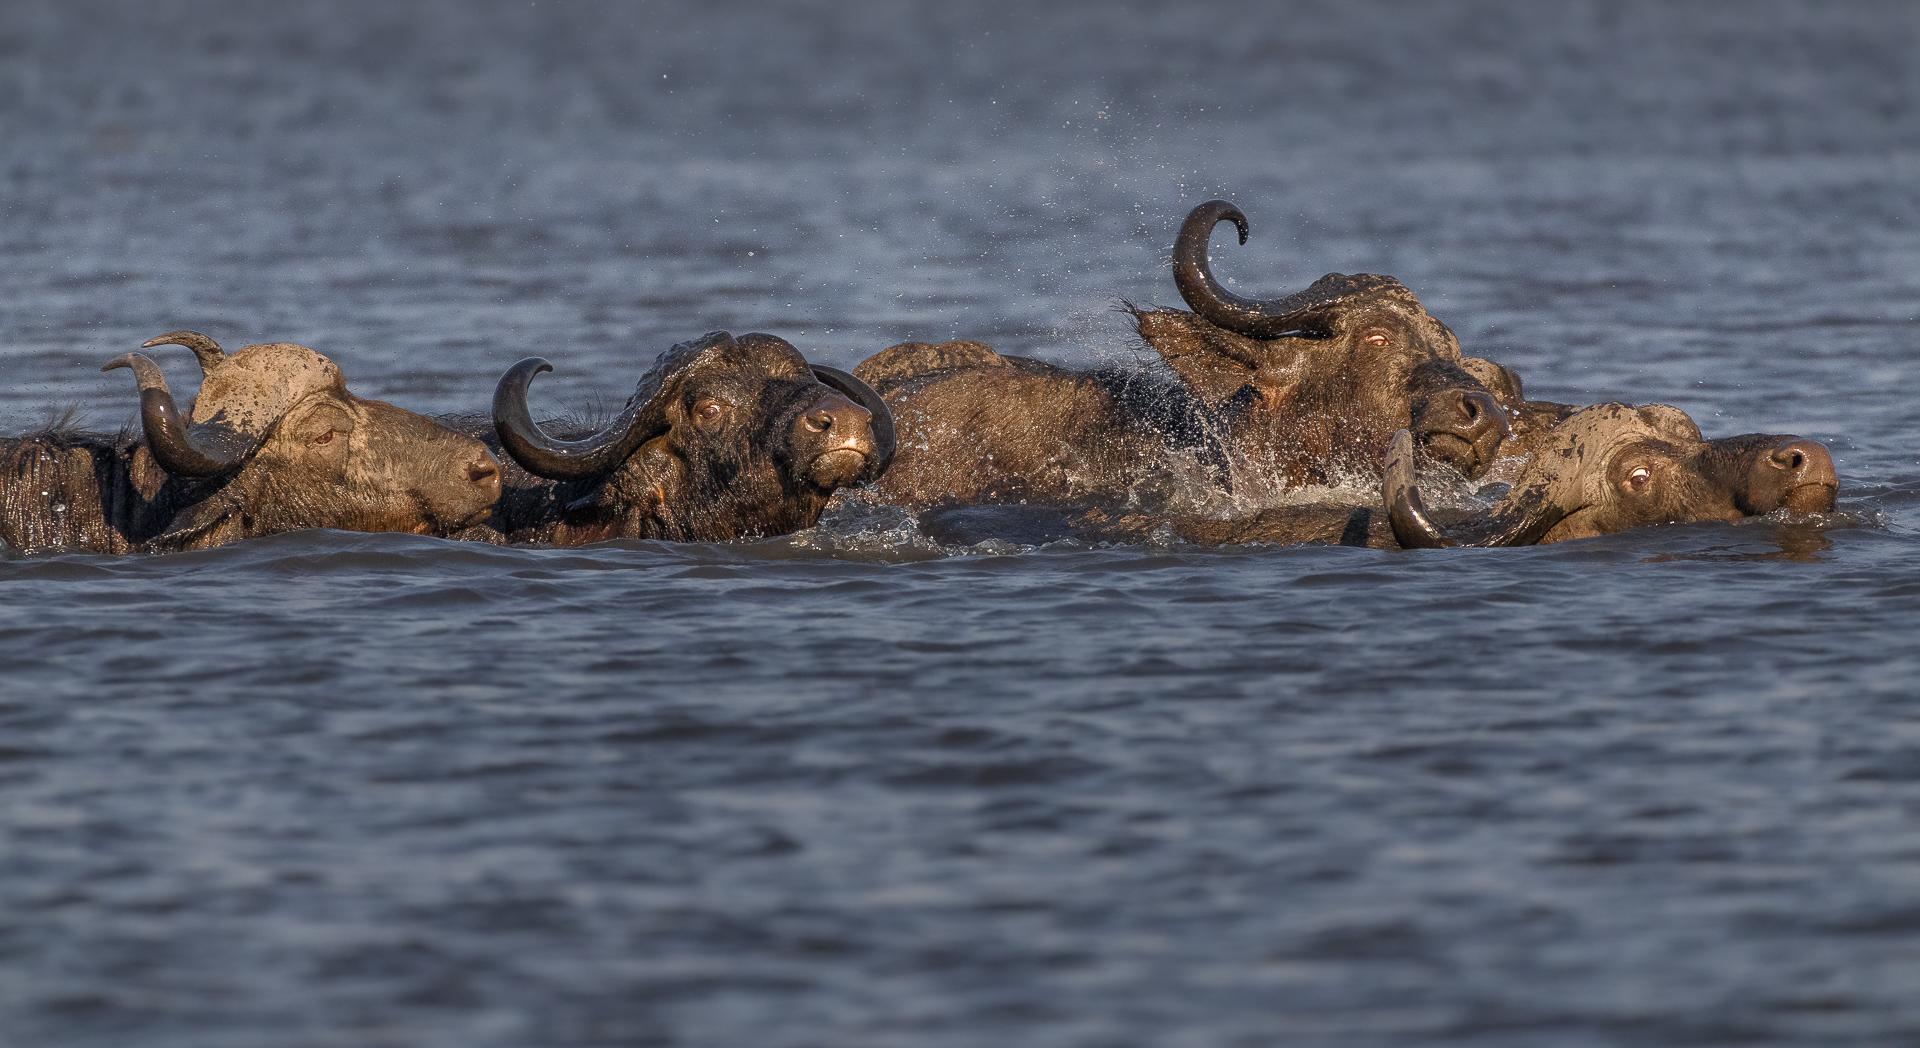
[(1319, 381), (723, 438), (1611, 467), (275, 442)]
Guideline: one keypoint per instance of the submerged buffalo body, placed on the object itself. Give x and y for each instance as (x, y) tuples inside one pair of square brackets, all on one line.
[(1603, 469), (1269, 395), (724, 438), (274, 442)]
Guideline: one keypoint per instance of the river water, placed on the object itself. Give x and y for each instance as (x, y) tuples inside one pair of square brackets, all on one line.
[(853, 788)]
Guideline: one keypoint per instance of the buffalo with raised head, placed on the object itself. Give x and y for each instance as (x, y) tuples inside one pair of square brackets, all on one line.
[(1299, 392), (724, 438), (1315, 383), (273, 442)]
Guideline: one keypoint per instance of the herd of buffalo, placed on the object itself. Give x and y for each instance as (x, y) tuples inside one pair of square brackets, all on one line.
[(1345, 413)]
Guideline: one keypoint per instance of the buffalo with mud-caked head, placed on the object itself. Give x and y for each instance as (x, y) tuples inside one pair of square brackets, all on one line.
[(724, 438), (1265, 396), (273, 442), (1601, 470)]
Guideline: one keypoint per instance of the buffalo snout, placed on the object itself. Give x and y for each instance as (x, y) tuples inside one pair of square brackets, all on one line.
[(1797, 474), (835, 442), (1463, 428)]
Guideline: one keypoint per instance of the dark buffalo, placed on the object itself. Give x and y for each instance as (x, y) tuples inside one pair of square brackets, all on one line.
[(274, 442), (724, 438), (1268, 396)]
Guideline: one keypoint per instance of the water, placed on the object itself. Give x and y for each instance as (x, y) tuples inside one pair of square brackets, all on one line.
[(853, 788)]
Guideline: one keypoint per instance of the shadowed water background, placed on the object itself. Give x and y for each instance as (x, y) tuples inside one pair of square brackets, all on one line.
[(853, 788)]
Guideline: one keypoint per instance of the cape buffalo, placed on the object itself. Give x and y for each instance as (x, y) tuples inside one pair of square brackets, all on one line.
[(1314, 384), (1612, 467), (723, 438), (1268, 396), (274, 442), (1605, 469)]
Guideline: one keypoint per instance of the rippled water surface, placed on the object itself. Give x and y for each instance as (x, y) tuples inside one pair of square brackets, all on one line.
[(854, 788)]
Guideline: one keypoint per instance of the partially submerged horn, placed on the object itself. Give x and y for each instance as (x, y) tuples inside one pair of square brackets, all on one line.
[(1523, 517), (563, 459), (862, 394), (204, 348), (187, 451), (1205, 295)]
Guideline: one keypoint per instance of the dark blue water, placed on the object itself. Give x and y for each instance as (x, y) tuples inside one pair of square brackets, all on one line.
[(855, 788)]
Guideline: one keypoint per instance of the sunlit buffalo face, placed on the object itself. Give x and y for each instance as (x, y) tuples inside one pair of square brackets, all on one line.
[(1319, 381), (724, 438), (275, 442), (1612, 467)]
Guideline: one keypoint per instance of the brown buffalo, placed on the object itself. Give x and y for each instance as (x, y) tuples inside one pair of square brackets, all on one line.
[(978, 427), (724, 438), (1612, 467), (274, 442), (1318, 381), (1603, 469), (1269, 396)]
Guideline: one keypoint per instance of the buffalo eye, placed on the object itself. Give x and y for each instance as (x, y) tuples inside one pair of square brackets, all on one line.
[(1638, 480), (708, 410), (1377, 338), (323, 439)]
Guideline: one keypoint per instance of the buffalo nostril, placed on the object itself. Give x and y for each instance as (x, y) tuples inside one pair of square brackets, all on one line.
[(1470, 408), (481, 472), (1804, 458), (820, 421)]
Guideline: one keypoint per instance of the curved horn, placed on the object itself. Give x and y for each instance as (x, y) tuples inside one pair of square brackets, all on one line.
[(1523, 518), (1205, 295), (206, 349), (561, 459), (862, 394), (179, 449)]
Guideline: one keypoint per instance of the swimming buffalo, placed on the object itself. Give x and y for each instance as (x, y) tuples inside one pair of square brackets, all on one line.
[(1264, 397), (1612, 467), (724, 438), (1315, 383), (979, 427), (1603, 469), (273, 442)]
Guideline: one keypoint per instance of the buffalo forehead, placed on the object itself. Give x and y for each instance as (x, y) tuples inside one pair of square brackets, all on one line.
[(252, 388)]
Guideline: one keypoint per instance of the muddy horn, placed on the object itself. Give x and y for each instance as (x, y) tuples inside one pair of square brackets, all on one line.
[(205, 349), (205, 450), (862, 394), (1522, 518)]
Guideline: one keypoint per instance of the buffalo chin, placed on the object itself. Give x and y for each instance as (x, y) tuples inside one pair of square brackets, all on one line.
[(837, 468), (1455, 451), (1810, 498)]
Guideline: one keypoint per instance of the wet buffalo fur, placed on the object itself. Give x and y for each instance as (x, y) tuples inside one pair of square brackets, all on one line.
[(741, 477), (1300, 410), (977, 426), (1604, 469), (65, 489)]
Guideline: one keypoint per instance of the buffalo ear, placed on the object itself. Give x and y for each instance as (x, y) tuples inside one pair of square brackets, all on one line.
[(213, 521), (1502, 381), (1212, 362)]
